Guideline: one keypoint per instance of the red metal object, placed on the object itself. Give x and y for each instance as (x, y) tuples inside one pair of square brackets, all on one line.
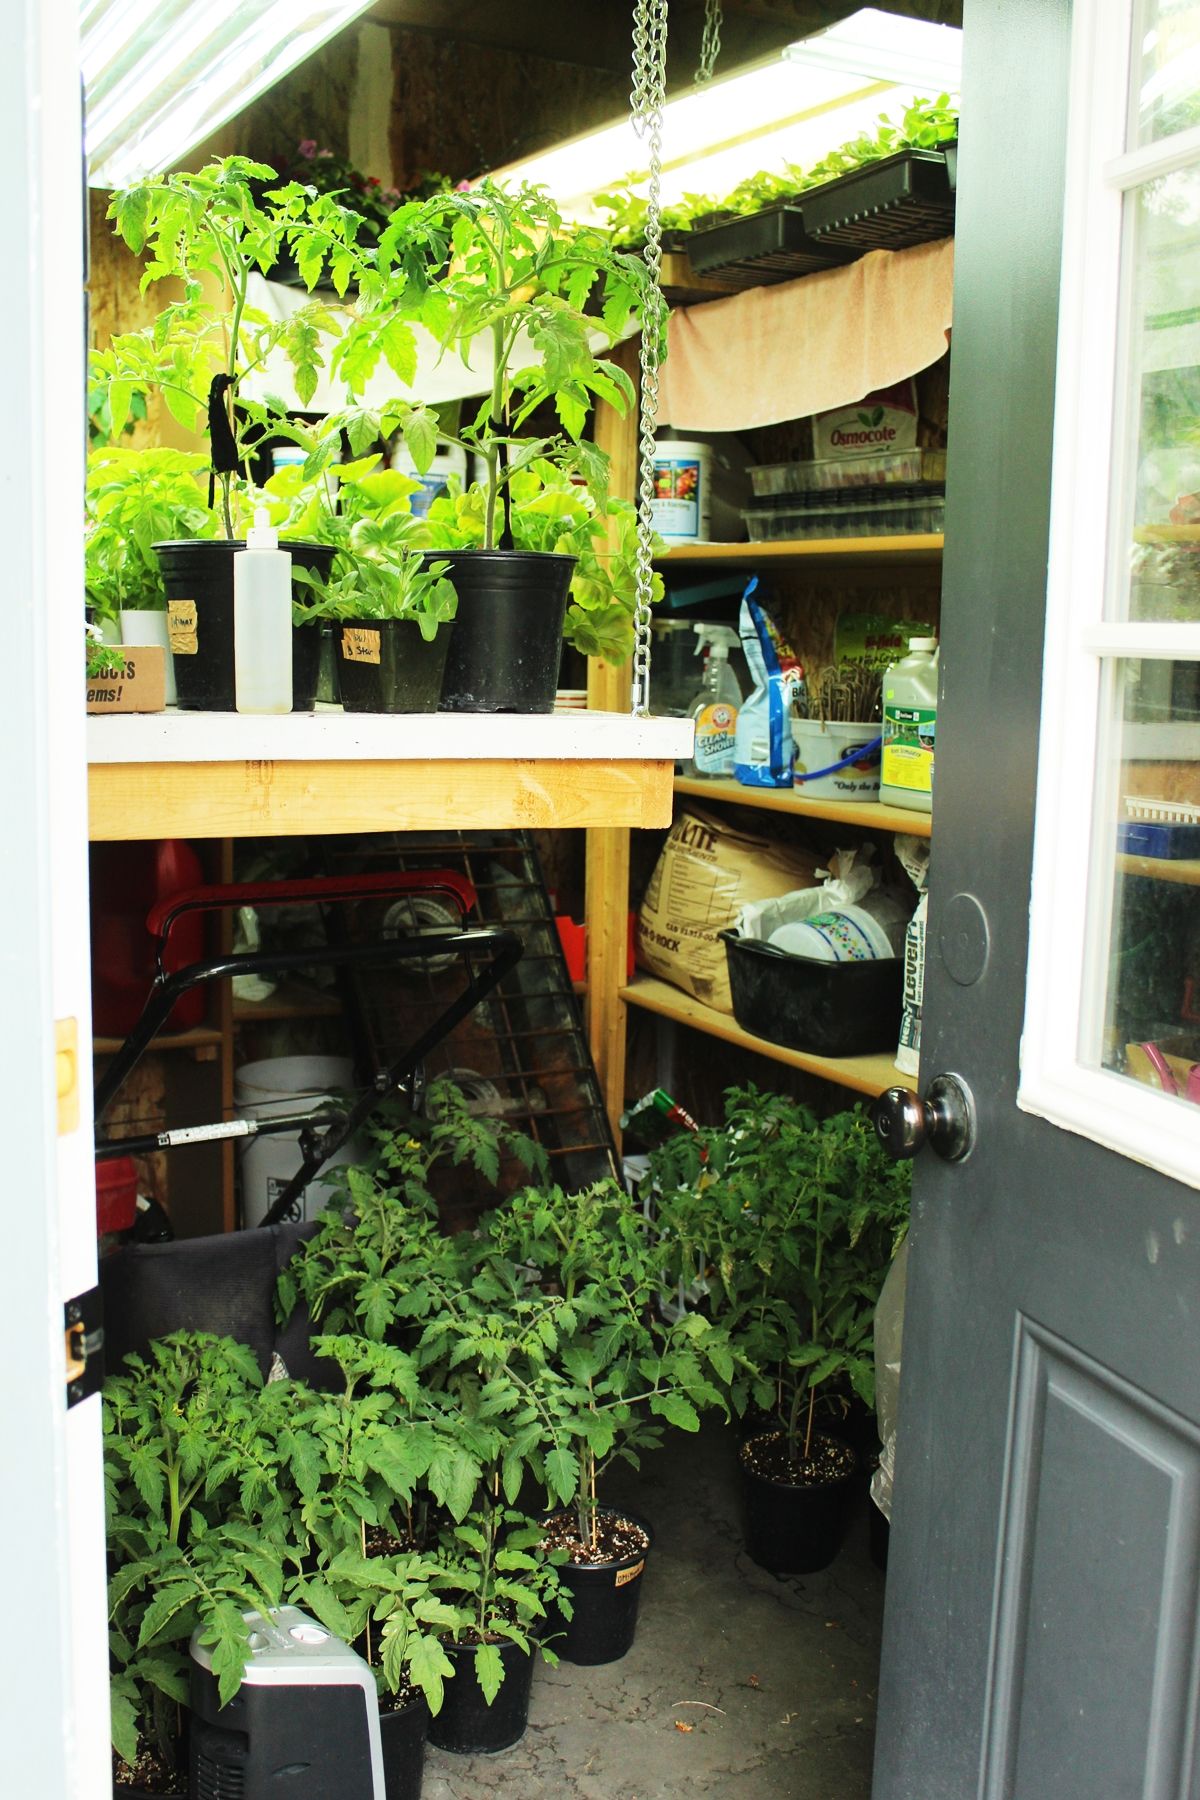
[(127, 882), (116, 1194)]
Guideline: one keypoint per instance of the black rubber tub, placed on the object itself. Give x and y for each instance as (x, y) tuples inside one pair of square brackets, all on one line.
[(507, 641), (830, 1009), (198, 577)]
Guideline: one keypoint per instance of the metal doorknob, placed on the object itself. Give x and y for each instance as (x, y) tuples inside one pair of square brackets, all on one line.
[(944, 1119)]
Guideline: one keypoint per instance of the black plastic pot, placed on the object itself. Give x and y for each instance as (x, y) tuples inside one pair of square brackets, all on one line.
[(604, 1599), (403, 1737), (794, 1529), (386, 666), (467, 1725), (507, 641), (198, 577)]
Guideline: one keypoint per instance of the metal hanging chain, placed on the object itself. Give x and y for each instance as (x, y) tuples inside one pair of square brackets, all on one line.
[(647, 101), (710, 43)]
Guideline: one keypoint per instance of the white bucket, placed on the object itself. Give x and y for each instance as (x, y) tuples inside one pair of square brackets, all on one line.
[(819, 745), (682, 504), (270, 1090), (449, 461), (150, 627)]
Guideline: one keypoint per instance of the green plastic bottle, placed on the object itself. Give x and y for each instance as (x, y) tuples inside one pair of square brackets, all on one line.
[(910, 691)]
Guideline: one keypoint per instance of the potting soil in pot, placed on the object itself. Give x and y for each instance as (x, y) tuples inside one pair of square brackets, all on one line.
[(604, 1581), (797, 1509)]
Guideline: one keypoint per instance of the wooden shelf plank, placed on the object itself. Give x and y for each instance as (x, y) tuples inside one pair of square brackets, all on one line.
[(866, 813), (200, 1037), (1162, 868), (866, 552), (229, 775), (287, 1002), (863, 1074)]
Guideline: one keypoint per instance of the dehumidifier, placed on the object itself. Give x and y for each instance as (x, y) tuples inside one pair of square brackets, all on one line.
[(304, 1723)]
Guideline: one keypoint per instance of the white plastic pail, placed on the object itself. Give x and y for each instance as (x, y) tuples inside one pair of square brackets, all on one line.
[(271, 1090), (820, 745)]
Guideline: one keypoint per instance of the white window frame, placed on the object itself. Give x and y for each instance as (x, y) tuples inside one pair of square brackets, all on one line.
[(1084, 646)]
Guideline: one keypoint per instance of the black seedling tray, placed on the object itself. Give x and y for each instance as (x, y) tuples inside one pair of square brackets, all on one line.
[(766, 247), (902, 200)]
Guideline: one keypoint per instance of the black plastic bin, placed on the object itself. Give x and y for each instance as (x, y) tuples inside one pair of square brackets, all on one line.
[(829, 1009)]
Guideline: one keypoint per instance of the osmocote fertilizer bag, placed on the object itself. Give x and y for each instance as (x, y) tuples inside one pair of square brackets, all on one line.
[(764, 748)]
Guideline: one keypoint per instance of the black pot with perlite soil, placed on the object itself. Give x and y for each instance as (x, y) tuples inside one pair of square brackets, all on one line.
[(797, 1510), (604, 1582), (387, 666), (507, 641), (466, 1724), (402, 1732), (198, 577)]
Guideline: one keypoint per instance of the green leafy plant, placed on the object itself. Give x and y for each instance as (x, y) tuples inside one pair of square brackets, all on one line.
[(195, 1526), (380, 576), (326, 172), (135, 499), (215, 229), (787, 1224)]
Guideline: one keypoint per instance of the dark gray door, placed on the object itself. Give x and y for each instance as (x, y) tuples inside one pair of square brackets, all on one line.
[(1040, 1637)]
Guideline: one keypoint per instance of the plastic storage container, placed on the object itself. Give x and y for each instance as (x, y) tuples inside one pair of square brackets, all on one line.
[(879, 516), (826, 1008), (820, 744), (887, 467), (271, 1090)]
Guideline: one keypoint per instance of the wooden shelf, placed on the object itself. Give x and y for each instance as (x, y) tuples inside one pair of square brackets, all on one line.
[(866, 813), (287, 1002), (193, 774), (1162, 868), (200, 1038), (864, 1074), (865, 552)]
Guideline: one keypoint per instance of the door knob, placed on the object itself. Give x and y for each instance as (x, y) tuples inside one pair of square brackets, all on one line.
[(944, 1119)]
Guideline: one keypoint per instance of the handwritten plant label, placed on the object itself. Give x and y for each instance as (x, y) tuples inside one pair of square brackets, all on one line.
[(360, 644), (181, 627)]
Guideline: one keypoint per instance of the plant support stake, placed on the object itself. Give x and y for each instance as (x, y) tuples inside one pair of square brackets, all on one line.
[(646, 104)]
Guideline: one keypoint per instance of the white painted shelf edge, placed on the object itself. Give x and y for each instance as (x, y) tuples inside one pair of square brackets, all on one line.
[(330, 735)]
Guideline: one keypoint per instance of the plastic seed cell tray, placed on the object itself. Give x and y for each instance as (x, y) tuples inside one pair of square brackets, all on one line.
[(879, 516), (768, 246), (902, 200), (888, 468)]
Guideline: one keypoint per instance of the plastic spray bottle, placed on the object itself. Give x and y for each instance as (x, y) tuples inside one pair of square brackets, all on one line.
[(910, 693), (715, 708), (262, 621)]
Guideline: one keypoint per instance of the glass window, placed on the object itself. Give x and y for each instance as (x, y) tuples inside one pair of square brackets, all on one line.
[(1150, 1026), (1168, 94)]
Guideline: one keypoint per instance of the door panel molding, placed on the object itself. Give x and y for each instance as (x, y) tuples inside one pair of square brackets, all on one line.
[(1102, 1496)]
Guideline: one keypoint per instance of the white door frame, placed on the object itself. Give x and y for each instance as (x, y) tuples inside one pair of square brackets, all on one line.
[(53, 1665)]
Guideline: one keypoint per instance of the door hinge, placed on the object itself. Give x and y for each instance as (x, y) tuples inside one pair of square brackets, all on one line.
[(83, 1325)]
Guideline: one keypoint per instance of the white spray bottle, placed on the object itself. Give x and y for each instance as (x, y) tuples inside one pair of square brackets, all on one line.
[(262, 621), (715, 708)]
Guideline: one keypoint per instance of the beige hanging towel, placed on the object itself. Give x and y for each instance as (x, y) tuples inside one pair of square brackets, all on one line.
[(776, 353)]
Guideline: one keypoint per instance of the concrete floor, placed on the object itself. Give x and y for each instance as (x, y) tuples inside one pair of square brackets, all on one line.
[(775, 1678)]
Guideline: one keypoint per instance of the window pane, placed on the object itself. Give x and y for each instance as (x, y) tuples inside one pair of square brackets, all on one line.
[(1159, 516), (1149, 1026), (1168, 96)]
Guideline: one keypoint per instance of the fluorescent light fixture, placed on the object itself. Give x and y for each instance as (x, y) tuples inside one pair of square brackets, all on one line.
[(794, 108), (160, 76), (911, 52)]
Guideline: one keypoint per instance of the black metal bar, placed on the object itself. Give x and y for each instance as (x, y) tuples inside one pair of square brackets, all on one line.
[(219, 1132), (507, 946)]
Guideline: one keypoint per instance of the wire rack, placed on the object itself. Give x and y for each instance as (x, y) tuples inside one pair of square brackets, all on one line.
[(521, 1055)]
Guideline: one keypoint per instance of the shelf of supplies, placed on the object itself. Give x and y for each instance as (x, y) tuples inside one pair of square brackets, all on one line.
[(866, 813), (200, 1038), (193, 774), (864, 1074), (1162, 868), (865, 552)]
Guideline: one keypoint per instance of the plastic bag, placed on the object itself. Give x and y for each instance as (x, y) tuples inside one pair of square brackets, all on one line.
[(765, 750), (889, 1334), (850, 917)]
